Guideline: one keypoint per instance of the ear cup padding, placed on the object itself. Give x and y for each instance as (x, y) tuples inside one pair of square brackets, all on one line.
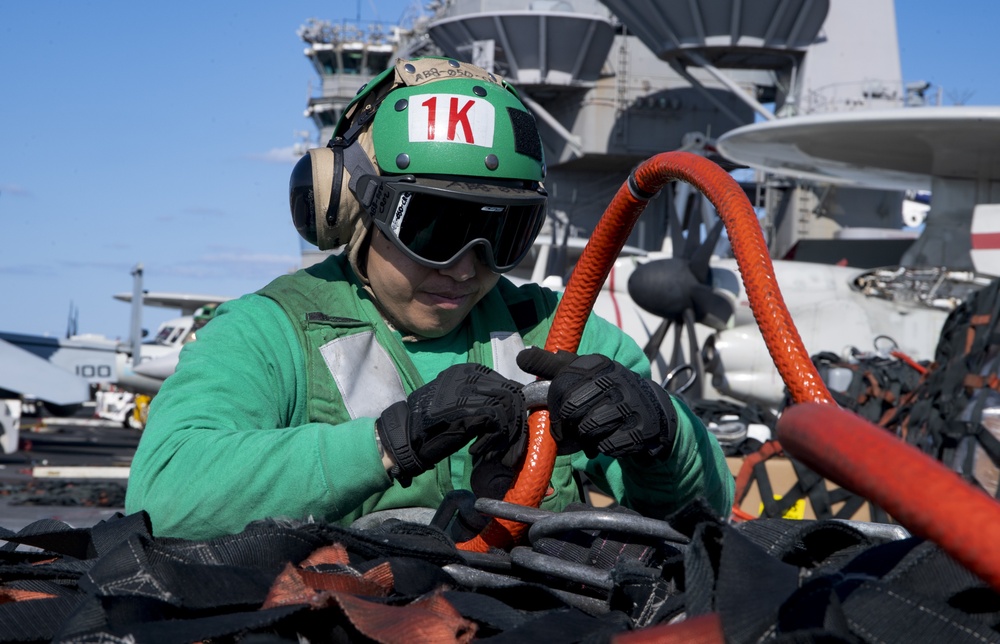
[(324, 164), (338, 213), (301, 199)]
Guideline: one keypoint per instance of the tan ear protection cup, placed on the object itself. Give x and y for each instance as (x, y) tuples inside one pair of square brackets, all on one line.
[(322, 181), (337, 205)]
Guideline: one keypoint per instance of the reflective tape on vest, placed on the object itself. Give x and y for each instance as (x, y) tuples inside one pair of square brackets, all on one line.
[(506, 345), (367, 378), (364, 373)]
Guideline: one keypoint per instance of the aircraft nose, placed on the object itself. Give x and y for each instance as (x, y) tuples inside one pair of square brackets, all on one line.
[(159, 368)]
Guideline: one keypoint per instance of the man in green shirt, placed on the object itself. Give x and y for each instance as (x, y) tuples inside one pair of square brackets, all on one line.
[(390, 373)]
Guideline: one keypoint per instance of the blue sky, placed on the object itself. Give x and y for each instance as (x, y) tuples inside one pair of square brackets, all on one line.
[(161, 134)]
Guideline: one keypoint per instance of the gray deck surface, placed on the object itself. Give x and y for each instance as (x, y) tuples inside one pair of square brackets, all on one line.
[(69, 442)]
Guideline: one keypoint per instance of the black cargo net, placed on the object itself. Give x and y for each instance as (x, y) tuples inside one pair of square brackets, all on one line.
[(585, 574)]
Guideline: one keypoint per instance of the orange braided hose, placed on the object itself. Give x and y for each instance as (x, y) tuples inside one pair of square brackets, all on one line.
[(609, 236), (919, 492), (783, 342)]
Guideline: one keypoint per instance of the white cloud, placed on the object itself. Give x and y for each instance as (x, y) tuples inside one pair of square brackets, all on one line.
[(233, 265), (12, 189), (200, 210), (288, 155), (250, 258)]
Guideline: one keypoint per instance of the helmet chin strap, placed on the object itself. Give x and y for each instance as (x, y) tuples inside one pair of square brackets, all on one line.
[(356, 163)]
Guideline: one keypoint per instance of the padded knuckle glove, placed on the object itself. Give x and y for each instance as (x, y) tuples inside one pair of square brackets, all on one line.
[(599, 406), (465, 401)]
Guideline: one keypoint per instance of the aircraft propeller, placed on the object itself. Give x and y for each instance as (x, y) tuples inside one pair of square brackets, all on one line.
[(679, 289)]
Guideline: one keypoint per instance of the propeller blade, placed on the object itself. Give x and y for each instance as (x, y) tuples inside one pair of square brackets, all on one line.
[(656, 340), (710, 308), (703, 254), (674, 223), (677, 356), (692, 223), (696, 389), (685, 374)]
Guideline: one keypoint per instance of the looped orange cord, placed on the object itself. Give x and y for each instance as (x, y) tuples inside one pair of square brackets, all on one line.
[(837, 444), (609, 236)]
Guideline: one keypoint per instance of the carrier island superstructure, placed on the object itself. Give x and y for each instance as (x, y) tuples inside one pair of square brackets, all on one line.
[(612, 83)]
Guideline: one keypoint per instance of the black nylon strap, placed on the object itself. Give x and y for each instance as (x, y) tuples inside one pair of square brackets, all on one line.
[(788, 581), (894, 613), (333, 210), (37, 620)]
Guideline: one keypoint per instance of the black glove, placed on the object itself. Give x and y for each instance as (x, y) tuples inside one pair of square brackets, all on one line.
[(599, 406), (436, 420)]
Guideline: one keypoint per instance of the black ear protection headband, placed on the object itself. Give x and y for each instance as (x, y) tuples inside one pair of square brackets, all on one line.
[(316, 196)]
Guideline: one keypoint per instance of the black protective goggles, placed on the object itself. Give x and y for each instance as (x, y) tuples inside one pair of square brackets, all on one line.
[(434, 222)]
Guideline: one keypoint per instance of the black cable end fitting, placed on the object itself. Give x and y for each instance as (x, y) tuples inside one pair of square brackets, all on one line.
[(637, 192)]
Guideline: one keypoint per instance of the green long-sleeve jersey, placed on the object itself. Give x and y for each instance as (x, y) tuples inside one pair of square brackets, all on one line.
[(229, 439)]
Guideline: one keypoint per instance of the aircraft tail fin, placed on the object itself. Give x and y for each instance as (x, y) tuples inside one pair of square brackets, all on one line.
[(985, 238)]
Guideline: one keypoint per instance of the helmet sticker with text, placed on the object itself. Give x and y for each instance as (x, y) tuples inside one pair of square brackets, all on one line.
[(451, 118)]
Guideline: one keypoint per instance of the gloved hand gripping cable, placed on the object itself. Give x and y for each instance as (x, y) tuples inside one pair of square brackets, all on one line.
[(600, 406), (464, 402)]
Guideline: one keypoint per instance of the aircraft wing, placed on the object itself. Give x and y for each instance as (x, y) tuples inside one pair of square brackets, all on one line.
[(24, 373), (188, 303)]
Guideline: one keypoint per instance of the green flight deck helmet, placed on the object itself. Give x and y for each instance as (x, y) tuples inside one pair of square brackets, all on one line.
[(440, 155)]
